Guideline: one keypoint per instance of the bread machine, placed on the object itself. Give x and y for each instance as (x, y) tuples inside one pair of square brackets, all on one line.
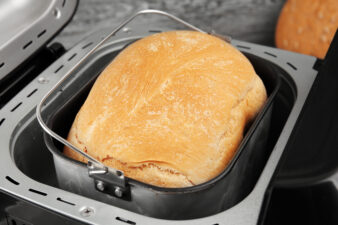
[(289, 147)]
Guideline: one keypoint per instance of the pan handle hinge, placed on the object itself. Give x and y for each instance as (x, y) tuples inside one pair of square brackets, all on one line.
[(106, 180)]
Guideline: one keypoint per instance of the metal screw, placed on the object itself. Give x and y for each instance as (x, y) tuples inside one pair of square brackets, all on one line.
[(57, 13), (126, 29), (119, 174), (118, 192), (86, 211), (43, 80), (100, 185), (91, 165)]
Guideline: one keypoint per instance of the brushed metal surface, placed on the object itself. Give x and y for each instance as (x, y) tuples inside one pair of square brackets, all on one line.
[(17, 16), (26, 25)]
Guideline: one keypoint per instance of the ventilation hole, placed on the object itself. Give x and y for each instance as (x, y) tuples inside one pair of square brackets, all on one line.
[(28, 44), (12, 180), (270, 54), (30, 94), (13, 222), (125, 220), (87, 45), (42, 33), (2, 120), (291, 65), (70, 58), (15, 107), (155, 31), (37, 192), (61, 200), (63, 3), (242, 46), (58, 69), (2, 64)]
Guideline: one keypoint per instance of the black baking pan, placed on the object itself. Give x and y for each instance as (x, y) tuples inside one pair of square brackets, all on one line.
[(216, 195)]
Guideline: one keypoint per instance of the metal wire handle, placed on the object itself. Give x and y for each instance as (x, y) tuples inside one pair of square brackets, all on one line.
[(118, 28)]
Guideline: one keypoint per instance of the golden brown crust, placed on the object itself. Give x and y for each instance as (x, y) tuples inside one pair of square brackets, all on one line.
[(170, 110), (307, 26)]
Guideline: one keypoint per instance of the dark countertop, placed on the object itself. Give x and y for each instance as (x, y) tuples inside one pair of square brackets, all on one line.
[(248, 20)]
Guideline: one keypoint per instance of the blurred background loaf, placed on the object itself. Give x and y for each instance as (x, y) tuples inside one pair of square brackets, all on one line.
[(307, 26)]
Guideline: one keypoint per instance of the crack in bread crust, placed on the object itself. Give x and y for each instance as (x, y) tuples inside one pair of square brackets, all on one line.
[(126, 167)]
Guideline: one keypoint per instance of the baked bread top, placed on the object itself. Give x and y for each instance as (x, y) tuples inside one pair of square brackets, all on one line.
[(170, 109)]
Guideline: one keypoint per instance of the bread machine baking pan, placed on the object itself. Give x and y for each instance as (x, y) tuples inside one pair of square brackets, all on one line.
[(214, 196), (209, 198)]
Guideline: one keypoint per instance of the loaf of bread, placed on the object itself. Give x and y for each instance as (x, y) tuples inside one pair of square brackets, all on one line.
[(170, 109), (307, 26)]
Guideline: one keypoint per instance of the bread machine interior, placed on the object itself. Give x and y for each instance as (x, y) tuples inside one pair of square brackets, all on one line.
[(242, 173)]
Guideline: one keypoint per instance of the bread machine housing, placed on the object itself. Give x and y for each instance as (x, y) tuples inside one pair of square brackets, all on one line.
[(60, 189)]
